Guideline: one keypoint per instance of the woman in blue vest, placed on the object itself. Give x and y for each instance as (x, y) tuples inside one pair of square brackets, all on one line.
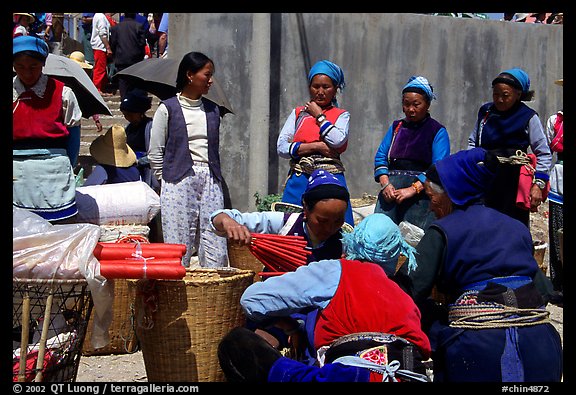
[(495, 327), (184, 155), (409, 147), (316, 134), (508, 127)]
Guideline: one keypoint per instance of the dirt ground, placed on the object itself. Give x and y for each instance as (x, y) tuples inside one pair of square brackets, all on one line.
[(131, 367)]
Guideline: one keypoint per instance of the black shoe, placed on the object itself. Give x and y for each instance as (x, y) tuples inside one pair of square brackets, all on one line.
[(557, 298), (245, 356)]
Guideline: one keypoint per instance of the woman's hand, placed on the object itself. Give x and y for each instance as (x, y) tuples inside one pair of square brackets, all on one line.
[(236, 233), (389, 193), (317, 147), (312, 108), (535, 198), (404, 193)]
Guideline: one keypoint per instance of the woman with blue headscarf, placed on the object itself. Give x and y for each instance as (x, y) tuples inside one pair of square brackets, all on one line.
[(409, 147), (493, 326), (316, 134), (46, 121), (508, 127), (360, 324)]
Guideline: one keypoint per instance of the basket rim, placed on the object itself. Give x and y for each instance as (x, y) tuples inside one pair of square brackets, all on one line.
[(50, 280), (236, 273)]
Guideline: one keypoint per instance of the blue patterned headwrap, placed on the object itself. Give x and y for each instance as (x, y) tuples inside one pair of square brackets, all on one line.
[(465, 175), (521, 78), (419, 82), (378, 239), (330, 69), (322, 177)]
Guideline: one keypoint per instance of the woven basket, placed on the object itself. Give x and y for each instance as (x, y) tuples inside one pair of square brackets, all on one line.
[(242, 258), (49, 320), (181, 322), (121, 331)]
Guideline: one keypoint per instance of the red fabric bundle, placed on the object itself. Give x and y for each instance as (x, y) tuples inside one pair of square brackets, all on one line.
[(142, 270), (525, 184)]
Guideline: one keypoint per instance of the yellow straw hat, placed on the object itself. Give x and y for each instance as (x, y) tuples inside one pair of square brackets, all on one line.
[(111, 148), (32, 18), (79, 58)]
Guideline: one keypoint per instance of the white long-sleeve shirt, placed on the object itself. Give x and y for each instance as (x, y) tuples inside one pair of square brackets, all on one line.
[(197, 127)]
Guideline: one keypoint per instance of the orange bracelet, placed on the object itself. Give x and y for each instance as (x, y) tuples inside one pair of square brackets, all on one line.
[(417, 188)]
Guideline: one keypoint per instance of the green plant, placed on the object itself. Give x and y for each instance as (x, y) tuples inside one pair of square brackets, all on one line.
[(265, 203)]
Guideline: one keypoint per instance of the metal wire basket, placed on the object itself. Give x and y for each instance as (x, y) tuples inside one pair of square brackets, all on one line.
[(49, 321)]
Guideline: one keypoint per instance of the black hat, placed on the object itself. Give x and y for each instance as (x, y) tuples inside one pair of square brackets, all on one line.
[(136, 100)]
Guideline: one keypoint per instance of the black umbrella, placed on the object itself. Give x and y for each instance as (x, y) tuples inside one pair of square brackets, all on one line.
[(74, 76), (158, 76)]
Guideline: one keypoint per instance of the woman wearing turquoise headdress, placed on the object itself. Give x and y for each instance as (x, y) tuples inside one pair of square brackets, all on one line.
[(359, 324), (508, 127), (408, 148), (316, 134)]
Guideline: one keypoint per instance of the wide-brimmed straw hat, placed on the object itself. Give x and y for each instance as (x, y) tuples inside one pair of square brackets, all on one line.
[(32, 17), (79, 58), (112, 149)]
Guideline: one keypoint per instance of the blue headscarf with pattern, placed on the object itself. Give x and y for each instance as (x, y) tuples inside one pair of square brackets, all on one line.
[(421, 83), (330, 69), (378, 239)]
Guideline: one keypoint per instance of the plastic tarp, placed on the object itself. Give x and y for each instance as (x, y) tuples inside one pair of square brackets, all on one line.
[(41, 250)]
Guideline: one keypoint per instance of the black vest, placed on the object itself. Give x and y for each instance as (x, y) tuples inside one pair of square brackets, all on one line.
[(177, 159)]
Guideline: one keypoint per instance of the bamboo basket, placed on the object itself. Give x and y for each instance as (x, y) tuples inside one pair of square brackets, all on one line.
[(180, 323), (122, 331), (49, 320), (240, 257)]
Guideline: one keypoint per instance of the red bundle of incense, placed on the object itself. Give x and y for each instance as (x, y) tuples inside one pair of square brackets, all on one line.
[(109, 251), (279, 253), (149, 261), (140, 270)]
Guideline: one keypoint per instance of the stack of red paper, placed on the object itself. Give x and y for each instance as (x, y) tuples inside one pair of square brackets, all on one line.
[(135, 260)]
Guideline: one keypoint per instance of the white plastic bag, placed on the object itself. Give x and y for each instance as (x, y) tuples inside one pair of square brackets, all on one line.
[(41, 250), (125, 203), (411, 233)]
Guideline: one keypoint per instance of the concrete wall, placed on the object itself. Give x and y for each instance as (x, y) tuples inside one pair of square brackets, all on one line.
[(267, 56)]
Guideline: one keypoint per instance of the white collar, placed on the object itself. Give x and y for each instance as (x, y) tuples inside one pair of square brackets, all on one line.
[(39, 88)]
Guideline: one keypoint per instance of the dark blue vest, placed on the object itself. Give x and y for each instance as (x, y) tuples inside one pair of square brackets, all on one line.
[(482, 243), (330, 249), (414, 141), (177, 159), (117, 175), (505, 130)]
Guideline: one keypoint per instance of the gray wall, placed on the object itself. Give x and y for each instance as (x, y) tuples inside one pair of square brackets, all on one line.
[(378, 53)]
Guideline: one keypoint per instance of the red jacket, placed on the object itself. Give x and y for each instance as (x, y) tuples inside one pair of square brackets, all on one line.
[(357, 307)]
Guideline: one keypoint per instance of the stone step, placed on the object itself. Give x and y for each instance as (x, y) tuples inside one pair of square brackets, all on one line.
[(88, 130)]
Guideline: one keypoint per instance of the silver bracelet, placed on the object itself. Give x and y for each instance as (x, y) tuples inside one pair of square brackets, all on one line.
[(384, 186)]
